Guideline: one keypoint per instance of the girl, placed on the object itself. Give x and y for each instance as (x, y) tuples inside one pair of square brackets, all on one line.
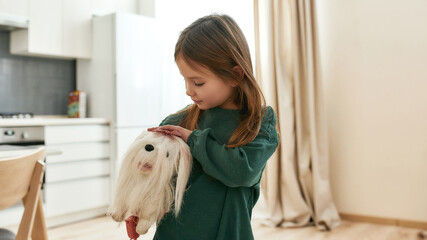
[(230, 131)]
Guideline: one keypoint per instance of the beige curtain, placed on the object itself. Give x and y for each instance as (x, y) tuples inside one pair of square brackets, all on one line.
[(295, 184)]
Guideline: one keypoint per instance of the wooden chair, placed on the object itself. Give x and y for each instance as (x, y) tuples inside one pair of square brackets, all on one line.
[(20, 179)]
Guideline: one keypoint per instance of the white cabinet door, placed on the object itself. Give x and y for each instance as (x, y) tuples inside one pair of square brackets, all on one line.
[(77, 169), (57, 29), (14, 7), (77, 34), (79, 151), (45, 27), (76, 134), (138, 76), (73, 196)]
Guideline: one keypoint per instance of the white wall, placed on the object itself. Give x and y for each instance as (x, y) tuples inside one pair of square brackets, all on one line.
[(374, 56), (174, 16)]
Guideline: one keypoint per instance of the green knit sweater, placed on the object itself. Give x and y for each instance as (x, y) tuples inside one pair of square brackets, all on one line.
[(224, 184)]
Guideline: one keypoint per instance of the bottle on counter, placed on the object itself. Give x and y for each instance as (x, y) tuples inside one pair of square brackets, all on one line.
[(77, 104)]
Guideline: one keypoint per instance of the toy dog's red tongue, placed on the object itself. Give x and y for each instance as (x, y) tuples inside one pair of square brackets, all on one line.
[(131, 223)]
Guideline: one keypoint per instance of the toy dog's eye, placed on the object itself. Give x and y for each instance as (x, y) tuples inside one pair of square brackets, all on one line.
[(149, 147), (167, 154)]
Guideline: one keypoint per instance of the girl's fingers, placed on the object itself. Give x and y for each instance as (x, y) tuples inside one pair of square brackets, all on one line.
[(167, 132), (166, 127), (157, 129), (177, 133), (161, 131)]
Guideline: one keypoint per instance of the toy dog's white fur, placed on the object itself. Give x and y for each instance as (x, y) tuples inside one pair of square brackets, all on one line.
[(152, 178)]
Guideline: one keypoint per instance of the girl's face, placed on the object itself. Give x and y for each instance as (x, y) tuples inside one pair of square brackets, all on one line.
[(205, 88)]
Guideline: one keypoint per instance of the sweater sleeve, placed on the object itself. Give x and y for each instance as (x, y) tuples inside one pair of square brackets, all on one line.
[(235, 167)]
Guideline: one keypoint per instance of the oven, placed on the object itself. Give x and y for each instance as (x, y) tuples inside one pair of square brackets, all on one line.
[(22, 136), (17, 140)]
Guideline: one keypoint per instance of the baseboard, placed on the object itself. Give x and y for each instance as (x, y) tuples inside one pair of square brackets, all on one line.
[(385, 221), (75, 217)]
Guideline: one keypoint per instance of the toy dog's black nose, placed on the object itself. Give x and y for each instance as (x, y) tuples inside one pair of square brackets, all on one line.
[(149, 147)]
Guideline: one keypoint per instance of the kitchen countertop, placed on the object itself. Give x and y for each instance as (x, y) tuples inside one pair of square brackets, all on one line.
[(49, 120)]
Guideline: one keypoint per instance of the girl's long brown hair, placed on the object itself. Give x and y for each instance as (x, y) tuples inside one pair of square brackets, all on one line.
[(217, 43)]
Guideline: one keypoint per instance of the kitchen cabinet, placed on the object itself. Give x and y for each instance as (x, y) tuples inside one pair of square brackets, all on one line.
[(15, 7), (76, 22), (77, 182), (57, 29), (78, 179)]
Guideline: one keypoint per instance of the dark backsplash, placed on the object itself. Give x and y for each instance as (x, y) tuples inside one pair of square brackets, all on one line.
[(34, 84)]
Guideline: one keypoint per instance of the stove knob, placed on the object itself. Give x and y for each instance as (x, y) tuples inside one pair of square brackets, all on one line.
[(9, 133), (25, 135)]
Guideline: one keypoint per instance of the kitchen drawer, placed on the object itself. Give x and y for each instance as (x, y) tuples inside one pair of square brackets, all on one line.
[(76, 133), (77, 169), (79, 151), (73, 196)]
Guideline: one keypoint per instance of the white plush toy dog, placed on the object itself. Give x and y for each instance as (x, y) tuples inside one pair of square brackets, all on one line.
[(153, 176)]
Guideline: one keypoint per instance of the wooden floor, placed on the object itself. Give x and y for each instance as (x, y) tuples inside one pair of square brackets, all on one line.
[(106, 229)]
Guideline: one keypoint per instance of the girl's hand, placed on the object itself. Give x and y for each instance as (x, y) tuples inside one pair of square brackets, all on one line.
[(172, 130)]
